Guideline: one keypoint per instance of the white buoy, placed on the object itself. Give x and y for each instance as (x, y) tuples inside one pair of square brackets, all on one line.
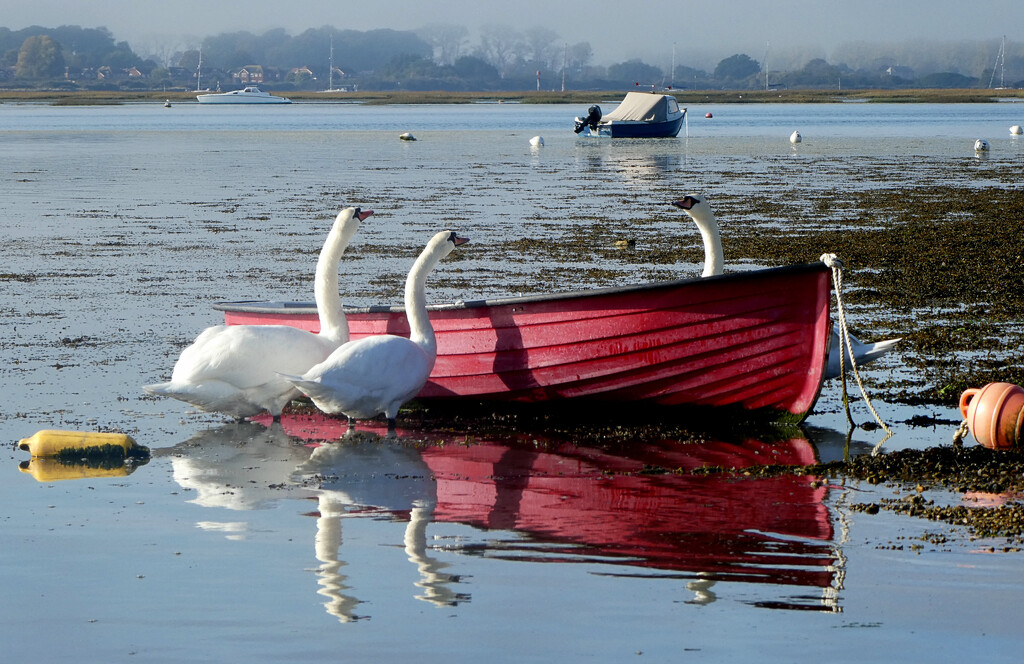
[(1016, 130), (537, 141), (407, 137), (981, 145), (795, 137)]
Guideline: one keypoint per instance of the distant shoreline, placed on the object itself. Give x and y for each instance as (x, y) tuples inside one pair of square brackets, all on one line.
[(685, 97)]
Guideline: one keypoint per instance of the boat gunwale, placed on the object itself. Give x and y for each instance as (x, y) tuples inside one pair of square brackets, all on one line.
[(307, 307)]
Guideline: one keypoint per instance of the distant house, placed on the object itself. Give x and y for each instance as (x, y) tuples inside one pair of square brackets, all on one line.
[(899, 71), (133, 72), (249, 74), (300, 71)]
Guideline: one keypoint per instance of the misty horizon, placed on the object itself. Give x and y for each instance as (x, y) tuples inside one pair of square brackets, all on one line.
[(784, 34)]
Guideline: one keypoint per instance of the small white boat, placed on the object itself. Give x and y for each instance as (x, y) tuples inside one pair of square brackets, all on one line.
[(247, 95)]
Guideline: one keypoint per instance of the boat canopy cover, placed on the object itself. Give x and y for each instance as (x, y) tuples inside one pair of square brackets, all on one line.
[(644, 107)]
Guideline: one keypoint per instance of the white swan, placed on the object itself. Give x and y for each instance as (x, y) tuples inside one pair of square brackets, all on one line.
[(981, 145), (700, 211), (862, 352), (234, 369), (1016, 130), (379, 373), (795, 137)]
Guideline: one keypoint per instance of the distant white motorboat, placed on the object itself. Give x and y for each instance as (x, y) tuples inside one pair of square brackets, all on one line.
[(247, 95)]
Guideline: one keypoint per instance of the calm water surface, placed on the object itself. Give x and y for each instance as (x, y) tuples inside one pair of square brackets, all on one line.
[(241, 542)]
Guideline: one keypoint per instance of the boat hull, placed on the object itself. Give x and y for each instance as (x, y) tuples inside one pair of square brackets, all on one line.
[(753, 341), (639, 129), (246, 96)]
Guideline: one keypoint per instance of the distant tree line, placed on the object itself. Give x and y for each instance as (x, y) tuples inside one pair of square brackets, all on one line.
[(437, 57)]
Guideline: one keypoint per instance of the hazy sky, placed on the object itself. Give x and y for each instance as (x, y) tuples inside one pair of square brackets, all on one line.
[(616, 29)]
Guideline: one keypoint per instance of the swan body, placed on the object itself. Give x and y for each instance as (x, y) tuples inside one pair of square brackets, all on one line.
[(537, 141), (795, 137), (1016, 130), (378, 374), (700, 211), (981, 145), (862, 352), (234, 369)]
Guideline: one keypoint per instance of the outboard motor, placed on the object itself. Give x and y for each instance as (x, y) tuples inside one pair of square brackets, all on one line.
[(593, 117)]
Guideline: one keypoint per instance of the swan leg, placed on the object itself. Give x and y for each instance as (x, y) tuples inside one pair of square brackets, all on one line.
[(351, 423), (391, 425), (277, 418)]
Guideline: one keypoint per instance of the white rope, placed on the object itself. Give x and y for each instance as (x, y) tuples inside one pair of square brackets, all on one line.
[(961, 433), (846, 346)]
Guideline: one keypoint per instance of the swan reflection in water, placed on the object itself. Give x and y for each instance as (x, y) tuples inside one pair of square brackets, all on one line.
[(647, 509), (248, 466)]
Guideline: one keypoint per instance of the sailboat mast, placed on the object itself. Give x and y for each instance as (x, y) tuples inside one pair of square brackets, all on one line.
[(565, 58), (330, 77), (1000, 64)]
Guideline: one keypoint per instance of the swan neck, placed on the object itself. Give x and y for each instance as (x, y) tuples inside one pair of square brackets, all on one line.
[(420, 330), (333, 323), (713, 256)]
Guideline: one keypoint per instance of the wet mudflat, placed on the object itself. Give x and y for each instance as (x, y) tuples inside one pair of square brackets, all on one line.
[(600, 539)]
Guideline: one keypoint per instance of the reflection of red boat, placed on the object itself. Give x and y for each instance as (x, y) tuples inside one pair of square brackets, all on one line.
[(756, 341), (638, 504)]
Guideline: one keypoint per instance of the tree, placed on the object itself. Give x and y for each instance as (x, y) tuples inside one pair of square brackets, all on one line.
[(448, 41), (579, 55), (500, 45), (635, 71), (737, 67), (40, 57), (189, 60), (816, 73), (946, 80), (539, 46)]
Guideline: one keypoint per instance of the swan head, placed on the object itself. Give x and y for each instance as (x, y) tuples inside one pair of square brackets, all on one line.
[(447, 240), (354, 213), (438, 247), (456, 240), (695, 206)]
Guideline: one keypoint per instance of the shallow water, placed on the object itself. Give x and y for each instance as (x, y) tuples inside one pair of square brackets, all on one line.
[(125, 223)]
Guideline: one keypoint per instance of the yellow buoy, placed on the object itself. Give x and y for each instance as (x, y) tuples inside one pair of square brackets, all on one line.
[(52, 470), (51, 442)]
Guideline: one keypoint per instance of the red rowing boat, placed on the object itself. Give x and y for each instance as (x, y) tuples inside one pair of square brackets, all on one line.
[(754, 341)]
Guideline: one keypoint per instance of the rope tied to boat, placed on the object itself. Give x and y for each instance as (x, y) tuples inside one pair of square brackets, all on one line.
[(846, 349), (961, 433)]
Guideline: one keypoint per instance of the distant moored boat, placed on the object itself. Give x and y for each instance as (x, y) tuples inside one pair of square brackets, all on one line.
[(247, 95)]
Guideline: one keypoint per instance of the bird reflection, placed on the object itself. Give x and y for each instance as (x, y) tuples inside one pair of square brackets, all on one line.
[(327, 545), (384, 473), (673, 509), (437, 585), (701, 589), (238, 466)]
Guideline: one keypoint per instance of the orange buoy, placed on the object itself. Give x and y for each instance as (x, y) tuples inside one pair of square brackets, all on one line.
[(708, 115), (994, 414)]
